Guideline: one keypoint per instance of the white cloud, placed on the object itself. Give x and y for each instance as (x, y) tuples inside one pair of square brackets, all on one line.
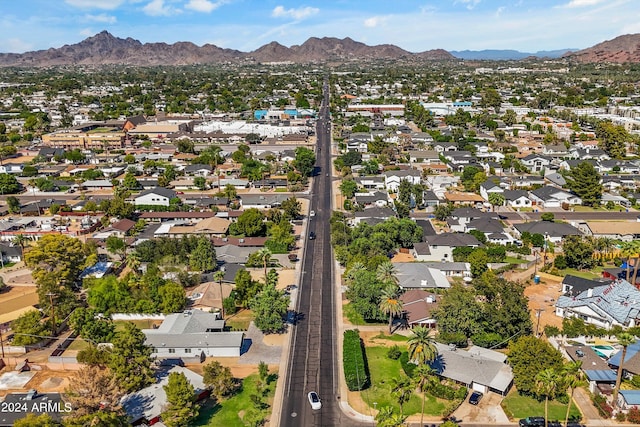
[(470, 3), (298, 14), (375, 21), (205, 6), (157, 8), (103, 17), (95, 4), (16, 45), (499, 11), (582, 3), (87, 32)]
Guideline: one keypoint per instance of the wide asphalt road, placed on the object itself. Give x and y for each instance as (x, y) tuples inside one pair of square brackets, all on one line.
[(312, 357)]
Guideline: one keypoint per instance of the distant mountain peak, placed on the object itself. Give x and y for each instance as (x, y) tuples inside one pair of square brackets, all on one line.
[(625, 48)]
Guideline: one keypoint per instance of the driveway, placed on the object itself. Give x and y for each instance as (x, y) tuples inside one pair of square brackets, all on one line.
[(487, 412), (258, 351)]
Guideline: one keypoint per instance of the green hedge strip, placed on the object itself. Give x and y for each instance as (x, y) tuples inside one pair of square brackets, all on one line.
[(356, 371)]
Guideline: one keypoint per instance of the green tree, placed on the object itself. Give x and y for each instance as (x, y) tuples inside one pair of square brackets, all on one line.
[(33, 420), (13, 204), (291, 208), (304, 161), (87, 323), (56, 261), (496, 199), (181, 407), (172, 297), (28, 328), (93, 389), (491, 98), (478, 261), (625, 340), (390, 303), (348, 187), (218, 379), (422, 349), (443, 211), (578, 252), (584, 180), (402, 389), (264, 255), (116, 245), (510, 117), (203, 257), (251, 223), (528, 356), (130, 182), (547, 382), (131, 359), (200, 183), (9, 184), (270, 307)]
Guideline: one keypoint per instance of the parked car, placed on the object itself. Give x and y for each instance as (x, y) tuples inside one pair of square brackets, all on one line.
[(531, 422), (579, 353), (312, 236), (314, 400), (312, 213), (475, 397)]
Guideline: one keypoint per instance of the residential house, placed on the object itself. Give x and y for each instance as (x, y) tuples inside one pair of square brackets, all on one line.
[(608, 305), (477, 368), (198, 170), (552, 231), (441, 246), (123, 227), (210, 227), (526, 181), (11, 168), (424, 157), (418, 306), (429, 199), (158, 196), (10, 253), (392, 179), (517, 199), (418, 275), (628, 399), (625, 231), (553, 197), (373, 213), (574, 285), (193, 335), (262, 201), (371, 182), (457, 160), (460, 198), (445, 147), (536, 162), (377, 198), (600, 376), (556, 179), (145, 407), (489, 187)]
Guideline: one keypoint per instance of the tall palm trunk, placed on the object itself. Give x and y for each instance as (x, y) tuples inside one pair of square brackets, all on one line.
[(566, 418), (635, 270), (424, 397), (390, 322), (619, 377), (221, 299), (546, 411)]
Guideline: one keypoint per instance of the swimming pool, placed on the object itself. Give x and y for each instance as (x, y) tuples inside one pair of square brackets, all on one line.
[(603, 350)]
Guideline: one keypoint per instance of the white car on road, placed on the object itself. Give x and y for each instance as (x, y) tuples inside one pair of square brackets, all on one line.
[(314, 400)]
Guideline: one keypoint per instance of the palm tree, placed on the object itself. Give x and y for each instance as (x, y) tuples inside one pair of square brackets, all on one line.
[(133, 262), (402, 388), (264, 255), (20, 240), (390, 303), (625, 339), (384, 415), (546, 384), (627, 250), (635, 247), (422, 348), (218, 276), (425, 376), (571, 377), (353, 270), (386, 273)]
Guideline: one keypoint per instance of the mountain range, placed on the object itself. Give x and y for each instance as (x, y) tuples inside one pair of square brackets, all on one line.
[(104, 48)]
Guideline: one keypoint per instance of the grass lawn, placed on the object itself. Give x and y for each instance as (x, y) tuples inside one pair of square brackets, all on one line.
[(355, 318), (617, 208), (78, 344), (394, 337), (229, 412), (514, 260), (517, 406), (382, 369), (594, 273), (141, 324), (240, 321)]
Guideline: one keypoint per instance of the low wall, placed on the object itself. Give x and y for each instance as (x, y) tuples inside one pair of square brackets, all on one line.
[(137, 316), (63, 359)]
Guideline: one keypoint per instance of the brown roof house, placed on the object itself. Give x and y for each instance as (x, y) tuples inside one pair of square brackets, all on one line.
[(418, 306)]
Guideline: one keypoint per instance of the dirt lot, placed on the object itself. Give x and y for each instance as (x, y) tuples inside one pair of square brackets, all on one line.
[(543, 296), (16, 301), (44, 381)]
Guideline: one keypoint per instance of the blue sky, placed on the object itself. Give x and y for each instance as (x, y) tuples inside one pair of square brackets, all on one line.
[(414, 25)]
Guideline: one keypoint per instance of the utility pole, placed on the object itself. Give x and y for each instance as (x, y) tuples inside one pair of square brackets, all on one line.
[(1, 341), (538, 314), (53, 313)]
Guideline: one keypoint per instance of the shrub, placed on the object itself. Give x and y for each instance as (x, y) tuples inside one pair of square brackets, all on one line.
[(488, 339), (560, 262), (442, 391), (407, 366), (356, 372), (457, 338), (604, 409), (622, 417), (551, 331), (633, 416), (394, 353)]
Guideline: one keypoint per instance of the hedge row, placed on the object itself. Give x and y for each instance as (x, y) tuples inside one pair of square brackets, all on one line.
[(356, 371)]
